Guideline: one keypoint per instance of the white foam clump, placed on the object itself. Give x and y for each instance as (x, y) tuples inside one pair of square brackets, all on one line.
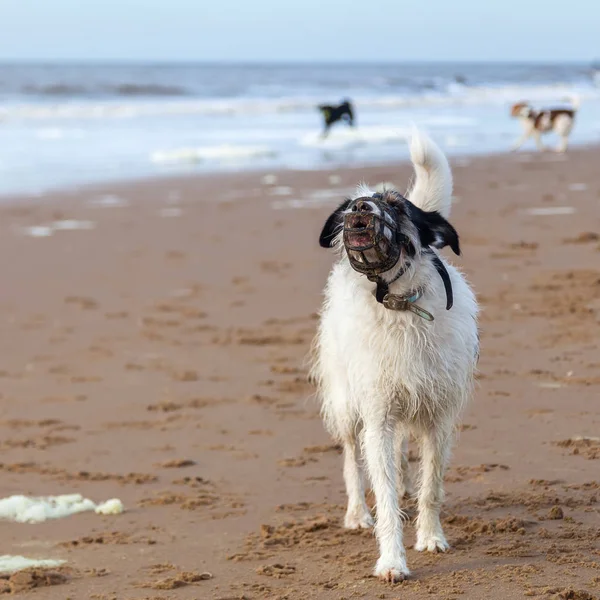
[(11, 564), (72, 225), (38, 231), (269, 179), (353, 137), (551, 210), (578, 187), (26, 509), (111, 507), (281, 190), (109, 200), (65, 225), (223, 153)]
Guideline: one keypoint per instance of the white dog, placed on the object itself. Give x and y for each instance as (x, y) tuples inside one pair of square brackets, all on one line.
[(396, 350)]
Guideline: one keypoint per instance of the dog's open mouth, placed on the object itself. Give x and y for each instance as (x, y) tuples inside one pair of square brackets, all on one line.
[(360, 231)]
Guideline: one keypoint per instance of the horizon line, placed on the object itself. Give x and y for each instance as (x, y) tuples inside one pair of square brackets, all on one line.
[(289, 62)]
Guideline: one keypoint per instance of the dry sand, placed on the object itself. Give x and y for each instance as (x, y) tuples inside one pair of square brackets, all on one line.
[(156, 355)]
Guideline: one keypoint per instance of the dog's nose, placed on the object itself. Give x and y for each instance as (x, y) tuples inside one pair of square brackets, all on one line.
[(362, 206)]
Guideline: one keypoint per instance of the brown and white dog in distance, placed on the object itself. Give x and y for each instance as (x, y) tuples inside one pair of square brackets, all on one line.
[(537, 122)]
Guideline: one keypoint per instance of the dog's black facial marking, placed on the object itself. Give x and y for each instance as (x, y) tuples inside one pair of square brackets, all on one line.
[(409, 248), (333, 225), (433, 229)]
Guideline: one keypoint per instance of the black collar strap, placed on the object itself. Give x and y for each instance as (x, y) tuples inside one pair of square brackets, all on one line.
[(383, 287), (381, 291), (443, 273)]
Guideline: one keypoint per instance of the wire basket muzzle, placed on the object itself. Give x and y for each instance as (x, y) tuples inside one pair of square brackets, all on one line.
[(371, 238)]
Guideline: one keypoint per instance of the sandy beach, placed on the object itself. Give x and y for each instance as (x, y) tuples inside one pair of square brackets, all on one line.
[(153, 341)]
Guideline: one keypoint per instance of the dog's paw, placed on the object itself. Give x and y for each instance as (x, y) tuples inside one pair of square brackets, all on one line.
[(432, 543), (391, 570), (358, 520)]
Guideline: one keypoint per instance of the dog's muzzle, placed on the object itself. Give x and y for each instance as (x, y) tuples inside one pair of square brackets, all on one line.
[(371, 236)]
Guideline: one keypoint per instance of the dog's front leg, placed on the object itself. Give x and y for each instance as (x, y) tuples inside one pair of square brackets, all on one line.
[(405, 485), (435, 449), (378, 444), (358, 515), (521, 141)]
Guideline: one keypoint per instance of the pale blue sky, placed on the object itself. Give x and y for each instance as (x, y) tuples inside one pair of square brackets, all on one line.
[(299, 30)]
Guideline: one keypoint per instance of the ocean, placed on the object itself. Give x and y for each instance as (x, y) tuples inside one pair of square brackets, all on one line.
[(65, 125)]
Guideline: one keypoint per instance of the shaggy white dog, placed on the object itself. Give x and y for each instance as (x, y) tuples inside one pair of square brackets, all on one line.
[(396, 351)]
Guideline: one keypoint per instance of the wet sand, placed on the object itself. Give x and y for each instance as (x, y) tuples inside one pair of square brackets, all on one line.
[(153, 348)]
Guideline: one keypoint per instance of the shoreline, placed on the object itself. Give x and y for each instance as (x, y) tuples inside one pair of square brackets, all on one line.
[(235, 176), (66, 126)]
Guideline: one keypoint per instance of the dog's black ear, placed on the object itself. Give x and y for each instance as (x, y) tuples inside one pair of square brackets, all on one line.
[(434, 230), (332, 225)]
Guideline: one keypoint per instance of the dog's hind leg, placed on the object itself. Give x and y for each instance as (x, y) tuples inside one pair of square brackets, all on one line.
[(358, 515), (435, 451), (564, 143), (405, 484), (378, 444)]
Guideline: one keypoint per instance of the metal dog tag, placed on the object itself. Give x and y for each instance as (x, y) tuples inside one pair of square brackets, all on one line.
[(394, 302)]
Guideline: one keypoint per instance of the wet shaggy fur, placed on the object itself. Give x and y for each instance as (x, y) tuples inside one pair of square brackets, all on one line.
[(384, 375)]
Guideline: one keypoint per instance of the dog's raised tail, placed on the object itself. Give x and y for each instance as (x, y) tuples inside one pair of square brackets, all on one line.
[(432, 188)]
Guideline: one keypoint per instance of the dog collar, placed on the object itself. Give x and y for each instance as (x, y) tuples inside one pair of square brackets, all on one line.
[(407, 302), (397, 302)]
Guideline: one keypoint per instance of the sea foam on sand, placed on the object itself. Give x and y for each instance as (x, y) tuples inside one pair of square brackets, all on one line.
[(551, 210), (219, 154), (65, 225), (12, 564), (26, 509)]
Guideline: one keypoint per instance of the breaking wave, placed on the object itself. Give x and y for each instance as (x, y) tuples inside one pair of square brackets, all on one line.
[(223, 107)]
